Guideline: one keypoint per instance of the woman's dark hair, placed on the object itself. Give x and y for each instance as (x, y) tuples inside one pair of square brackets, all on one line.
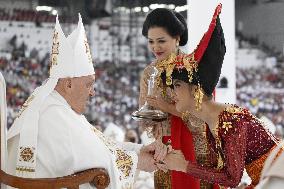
[(173, 22)]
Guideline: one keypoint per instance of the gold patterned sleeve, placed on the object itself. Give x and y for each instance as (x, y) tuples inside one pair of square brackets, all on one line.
[(143, 88), (234, 145)]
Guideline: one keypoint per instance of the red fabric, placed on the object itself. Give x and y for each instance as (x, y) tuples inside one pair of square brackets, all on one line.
[(216, 186), (202, 46), (181, 139)]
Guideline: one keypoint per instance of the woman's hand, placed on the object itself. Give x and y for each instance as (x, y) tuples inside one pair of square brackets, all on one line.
[(174, 161), (158, 103), (146, 162), (161, 104)]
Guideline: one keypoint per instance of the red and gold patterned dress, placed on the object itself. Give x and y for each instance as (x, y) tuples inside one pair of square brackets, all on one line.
[(241, 142)]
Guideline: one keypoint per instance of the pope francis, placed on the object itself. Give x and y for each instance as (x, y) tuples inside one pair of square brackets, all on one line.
[(51, 137)]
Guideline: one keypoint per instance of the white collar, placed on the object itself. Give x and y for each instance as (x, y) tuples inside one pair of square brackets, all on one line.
[(59, 97)]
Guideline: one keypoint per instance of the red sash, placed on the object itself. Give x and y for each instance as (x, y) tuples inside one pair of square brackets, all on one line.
[(181, 139)]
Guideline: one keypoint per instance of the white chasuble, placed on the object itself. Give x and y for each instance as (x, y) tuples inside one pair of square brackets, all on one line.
[(68, 143)]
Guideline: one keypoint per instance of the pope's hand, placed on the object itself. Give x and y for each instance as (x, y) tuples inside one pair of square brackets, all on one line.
[(157, 149)]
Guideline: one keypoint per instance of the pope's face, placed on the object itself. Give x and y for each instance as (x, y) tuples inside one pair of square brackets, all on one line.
[(161, 43), (82, 88)]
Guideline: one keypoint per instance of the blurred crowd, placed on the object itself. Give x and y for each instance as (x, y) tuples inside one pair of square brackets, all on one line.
[(22, 75), (117, 93), (261, 94), (253, 42), (261, 88)]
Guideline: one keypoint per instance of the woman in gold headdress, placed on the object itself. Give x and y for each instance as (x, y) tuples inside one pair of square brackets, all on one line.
[(237, 139)]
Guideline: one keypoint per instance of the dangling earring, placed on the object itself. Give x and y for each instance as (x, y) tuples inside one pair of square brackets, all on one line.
[(198, 97), (177, 46)]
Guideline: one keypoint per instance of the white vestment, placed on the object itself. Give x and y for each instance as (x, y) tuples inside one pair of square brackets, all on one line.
[(272, 176), (67, 143)]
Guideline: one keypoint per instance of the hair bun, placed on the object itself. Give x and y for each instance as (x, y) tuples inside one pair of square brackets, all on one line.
[(172, 21), (184, 34)]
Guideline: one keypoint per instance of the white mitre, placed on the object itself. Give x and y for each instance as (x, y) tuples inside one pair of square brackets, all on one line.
[(70, 57)]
